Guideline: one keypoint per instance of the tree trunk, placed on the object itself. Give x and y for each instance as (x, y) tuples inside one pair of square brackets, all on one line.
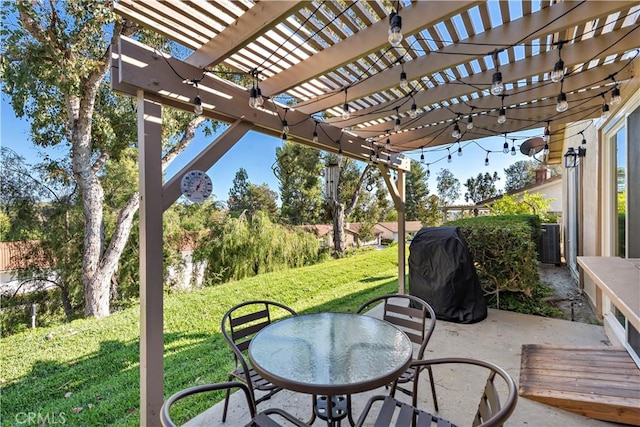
[(339, 240)]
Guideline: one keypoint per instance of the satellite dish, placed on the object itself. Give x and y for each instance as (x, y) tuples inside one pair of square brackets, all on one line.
[(532, 146)]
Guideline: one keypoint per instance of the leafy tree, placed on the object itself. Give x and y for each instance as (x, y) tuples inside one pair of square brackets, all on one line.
[(417, 193), (448, 187), (482, 187), (298, 170), (530, 204), (263, 199), (41, 206), (55, 71), (520, 174), (235, 248), (433, 214), (239, 193)]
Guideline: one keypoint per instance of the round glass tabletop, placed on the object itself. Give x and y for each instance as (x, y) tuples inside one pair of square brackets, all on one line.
[(330, 353)]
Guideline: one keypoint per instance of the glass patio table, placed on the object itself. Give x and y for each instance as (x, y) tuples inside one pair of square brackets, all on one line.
[(331, 354)]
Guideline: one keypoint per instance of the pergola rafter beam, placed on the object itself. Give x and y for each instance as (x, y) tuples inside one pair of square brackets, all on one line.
[(450, 56), (262, 17), (142, 68), (364, 42), (615, 42)]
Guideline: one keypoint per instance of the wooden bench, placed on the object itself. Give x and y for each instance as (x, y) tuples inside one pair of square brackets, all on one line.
[(600, 383)]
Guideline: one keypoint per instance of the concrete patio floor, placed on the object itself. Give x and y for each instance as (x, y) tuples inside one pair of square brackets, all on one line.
[(498, 339)]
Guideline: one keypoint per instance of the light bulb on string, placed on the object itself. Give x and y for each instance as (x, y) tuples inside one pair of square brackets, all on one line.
[(197, 102), (497, 86), (486, 160), (421, 155), (505, 147), (513, 150), (470, 122), (558, 69), (253, 93), (259, 99), (413, 113), (459, 150), (584, 141), (562, 105), (404, 84), (456, 131), (398, 124), (545, 150), (502, 115), (285, 129), (315, 133), (605, 111), (395, 29), (197, 105), (449, 160), (615, 96), (345, 112), (428, 171)]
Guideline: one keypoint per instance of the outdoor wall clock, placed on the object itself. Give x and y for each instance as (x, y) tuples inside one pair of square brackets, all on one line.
[(196, 186)]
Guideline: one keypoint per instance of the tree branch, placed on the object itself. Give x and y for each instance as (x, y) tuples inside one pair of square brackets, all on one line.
[(187, 137), (356, 193)]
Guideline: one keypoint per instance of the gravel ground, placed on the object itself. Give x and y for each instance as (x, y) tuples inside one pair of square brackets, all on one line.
[(566, 294)]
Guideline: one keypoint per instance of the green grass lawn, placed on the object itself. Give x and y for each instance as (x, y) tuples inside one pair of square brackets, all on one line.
[(86, 373)]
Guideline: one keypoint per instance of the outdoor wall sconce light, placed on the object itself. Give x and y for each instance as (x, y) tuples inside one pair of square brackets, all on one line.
[(571, 156)]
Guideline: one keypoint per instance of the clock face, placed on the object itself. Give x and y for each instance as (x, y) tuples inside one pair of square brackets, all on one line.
[(196, 186)]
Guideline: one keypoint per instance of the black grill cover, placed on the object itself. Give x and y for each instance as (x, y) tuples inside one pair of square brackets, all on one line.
[(442, 273)]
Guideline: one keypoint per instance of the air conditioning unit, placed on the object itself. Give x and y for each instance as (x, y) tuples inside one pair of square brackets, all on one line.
[(549, 244)]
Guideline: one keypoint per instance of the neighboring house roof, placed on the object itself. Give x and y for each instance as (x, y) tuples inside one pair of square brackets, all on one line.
[(20, 255), (409, 226)]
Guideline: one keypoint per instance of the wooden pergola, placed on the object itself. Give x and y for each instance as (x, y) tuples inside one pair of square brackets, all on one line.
[(312, 60)]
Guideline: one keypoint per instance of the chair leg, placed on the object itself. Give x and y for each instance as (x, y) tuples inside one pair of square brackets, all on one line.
[(313, 410), (433, 389), (226, 401)]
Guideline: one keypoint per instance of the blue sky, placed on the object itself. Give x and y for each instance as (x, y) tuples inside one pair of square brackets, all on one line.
[(256, 153)]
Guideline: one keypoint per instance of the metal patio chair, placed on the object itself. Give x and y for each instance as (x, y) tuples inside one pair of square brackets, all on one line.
[(490, 412), (239, 325), (417, 319), (266, 418)]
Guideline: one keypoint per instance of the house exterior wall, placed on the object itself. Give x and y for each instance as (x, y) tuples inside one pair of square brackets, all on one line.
[(597, 215)]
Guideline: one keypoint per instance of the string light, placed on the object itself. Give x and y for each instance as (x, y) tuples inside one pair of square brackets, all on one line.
[(615, 96), (470, 122), (345, 108), (285, 130), (456, 131), (428, 171), (395, 29), (413, 113), (397, 126), (558, 69), (404, 84), (315, 133), (486, 160), (545, 150), (449, 160), (502, 113), (513, 147), (421, 154), (505, 146), (255, 94), (497, 87), (605, 109), (197, 102), (562, 105), (459, 149), (584, 141), (547, 133)]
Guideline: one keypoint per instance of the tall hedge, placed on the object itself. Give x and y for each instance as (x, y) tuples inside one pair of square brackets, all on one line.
[(504, 250)]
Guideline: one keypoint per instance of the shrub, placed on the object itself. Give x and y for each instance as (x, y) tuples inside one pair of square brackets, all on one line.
[(504, 252)]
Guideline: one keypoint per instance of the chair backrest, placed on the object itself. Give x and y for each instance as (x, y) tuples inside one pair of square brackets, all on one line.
[(242, 322), (491, 410), (411, 314), (165, 417)]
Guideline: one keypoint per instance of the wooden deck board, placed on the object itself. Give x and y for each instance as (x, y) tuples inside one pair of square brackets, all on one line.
[(603, 384)]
